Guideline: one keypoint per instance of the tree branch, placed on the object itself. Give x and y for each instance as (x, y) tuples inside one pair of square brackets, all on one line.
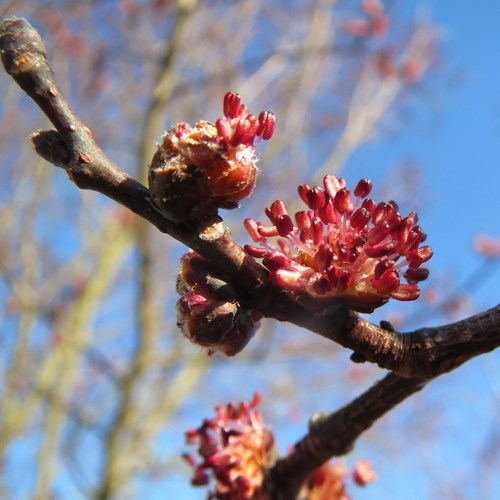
[(335, 434), (423, 353)]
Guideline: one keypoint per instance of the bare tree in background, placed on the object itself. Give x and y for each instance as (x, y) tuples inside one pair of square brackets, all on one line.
[(95, 376)]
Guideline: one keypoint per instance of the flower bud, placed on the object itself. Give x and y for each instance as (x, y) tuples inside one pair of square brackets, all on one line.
[(208, 312), (197, 170)]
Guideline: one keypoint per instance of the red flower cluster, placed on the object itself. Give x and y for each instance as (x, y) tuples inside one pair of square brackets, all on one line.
[(236, 450), (199, 169), (343, 247)]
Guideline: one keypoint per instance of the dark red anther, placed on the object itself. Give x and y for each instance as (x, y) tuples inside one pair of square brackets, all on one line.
[(378, 233), (316, 198), (412, 242), (369, 205), (382, 211), (182, 129), (255, 252), (343, 201), (224, 130), (420, 233), (380, 250), (363, 188), (345, 280), (208, 448), (394, 205), (252, 227), (232, 102), (267, 124), (413, 218), (284, 225), (328, 214), (200, 478), (244, 408), (332, 184), (333, 276), (406, 292), (416, 275), (321, 286), (387, 283), (267, 231), (359, 241), (276, 261), (416, 258), (317, 230), (382, 267), (323, 256), (352, 255), (303, 220), (277, 208), (360, 218), (303, 189), (257, 398), (241, 133), (191, 436), (404, 229), (189, 459), (268, 211)]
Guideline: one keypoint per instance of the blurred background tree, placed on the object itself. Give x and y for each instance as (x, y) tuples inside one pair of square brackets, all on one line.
[(97, 384)]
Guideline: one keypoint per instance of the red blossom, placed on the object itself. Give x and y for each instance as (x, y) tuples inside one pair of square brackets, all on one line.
[(199, 169), (343, 246), (235, 448)]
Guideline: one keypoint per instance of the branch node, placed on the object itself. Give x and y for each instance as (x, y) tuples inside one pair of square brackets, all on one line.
[(21, 47), (51, 147), (212, 229)]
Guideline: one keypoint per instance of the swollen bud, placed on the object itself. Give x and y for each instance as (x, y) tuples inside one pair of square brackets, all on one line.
[(208, 312), (197, 170)]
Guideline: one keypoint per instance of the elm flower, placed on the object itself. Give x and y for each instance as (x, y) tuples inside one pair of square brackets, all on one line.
[(344, 247), (199, 169), (208, 312), (236, 449)]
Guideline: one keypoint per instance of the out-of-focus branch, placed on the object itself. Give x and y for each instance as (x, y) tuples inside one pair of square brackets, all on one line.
[(437, 351), (118, 458), (372, 97), (335, 434)]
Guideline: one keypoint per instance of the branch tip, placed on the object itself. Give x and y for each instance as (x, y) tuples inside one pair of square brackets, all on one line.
[(21, 46)]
